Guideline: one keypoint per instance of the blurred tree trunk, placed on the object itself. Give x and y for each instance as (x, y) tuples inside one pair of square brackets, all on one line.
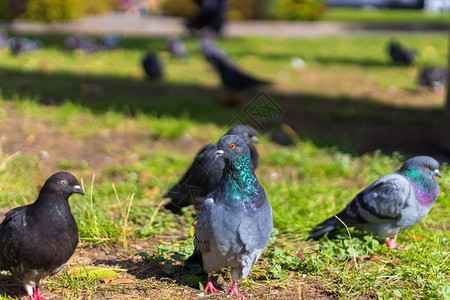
[(445, 138)]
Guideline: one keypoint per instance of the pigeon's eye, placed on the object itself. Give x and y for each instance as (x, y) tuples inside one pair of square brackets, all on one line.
[(426, 167), (232, 146), (245, 134), (63, 182)]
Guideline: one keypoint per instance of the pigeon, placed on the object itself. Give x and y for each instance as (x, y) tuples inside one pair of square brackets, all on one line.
[(431, 76), (235, 223), (176, 47), (203, 175), (152, 66), (37, 240), (232, 77), (392, 203), (211, 16), (400, 54), (19, 45)]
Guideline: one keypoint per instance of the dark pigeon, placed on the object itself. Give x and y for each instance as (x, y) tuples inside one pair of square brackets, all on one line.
[(152, 66), (235, 223), (37, 240), (392, 203), (176, 47), (433, 77), (232, 77), (211, 16), (19, 45), (203, 175), (401, 55)]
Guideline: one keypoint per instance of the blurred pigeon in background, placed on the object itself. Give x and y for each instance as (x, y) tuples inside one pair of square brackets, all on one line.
[(232, 77), (90, 45), (37, 240), (203, 175), (152, 66), (86, 44), (392, 203), (235, 223), (433, 77), (19, 45), (176, 47), (211, 16), (400, 54)]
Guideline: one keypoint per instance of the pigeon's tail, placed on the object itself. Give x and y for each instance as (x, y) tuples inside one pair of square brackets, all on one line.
[(328, 225), (349, 216), (320, 232)]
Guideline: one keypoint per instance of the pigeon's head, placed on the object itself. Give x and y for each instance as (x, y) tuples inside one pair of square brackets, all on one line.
[(247, 133), (231, 147), (63, 182), (425, 166)]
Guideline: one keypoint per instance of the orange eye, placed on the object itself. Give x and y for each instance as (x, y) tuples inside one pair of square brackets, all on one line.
[(232, 146), (426, 167)]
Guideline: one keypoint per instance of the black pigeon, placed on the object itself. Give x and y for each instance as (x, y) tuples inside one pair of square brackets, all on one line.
[(37, 240), (211, 16), (232, 77), (176, 47), (431, 76), (203, 175), (401, 55), (152, 66)]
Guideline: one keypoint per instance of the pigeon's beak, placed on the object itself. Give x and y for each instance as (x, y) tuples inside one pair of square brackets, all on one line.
[(78, 190), (255, 140), (437, 173), (219, 153)]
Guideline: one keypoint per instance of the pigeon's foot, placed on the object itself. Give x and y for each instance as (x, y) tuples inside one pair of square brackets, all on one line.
[(37, 295), (210, 287), (392, 244), (234, 292)]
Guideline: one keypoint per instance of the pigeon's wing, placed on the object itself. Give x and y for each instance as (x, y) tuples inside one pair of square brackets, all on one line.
[(255, 228), (11, 230), (203, 227), (380, 203), (200, 174), (384, 200)]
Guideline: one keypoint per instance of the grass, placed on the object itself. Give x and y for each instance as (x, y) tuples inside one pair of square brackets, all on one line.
[(341, 14), (129, 140)]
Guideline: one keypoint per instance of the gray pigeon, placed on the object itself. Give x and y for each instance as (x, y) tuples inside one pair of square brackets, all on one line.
[(392, 203), (234, 225), (203, 175), (433, 77), (37, 240), (176, 47)]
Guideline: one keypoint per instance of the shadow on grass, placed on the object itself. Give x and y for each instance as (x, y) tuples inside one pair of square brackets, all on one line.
[(355, 125)]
